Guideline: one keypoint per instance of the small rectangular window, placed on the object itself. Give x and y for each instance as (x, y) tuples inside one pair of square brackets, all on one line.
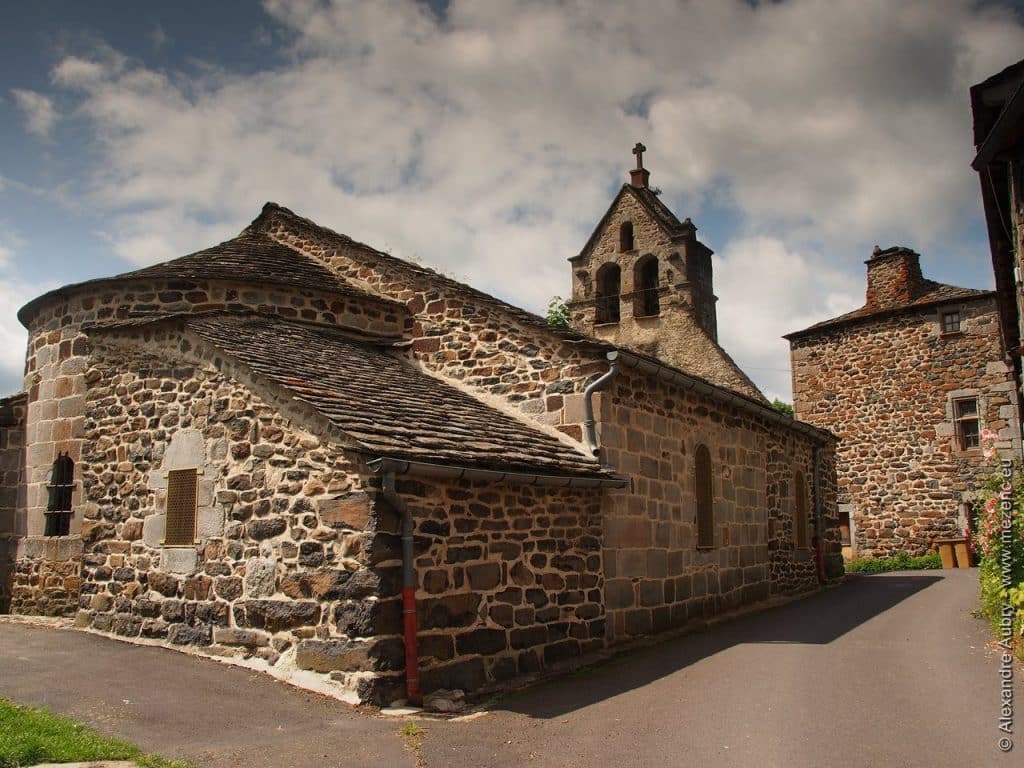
[(844, 529), (968, 428), (950, 322), (182, 501)]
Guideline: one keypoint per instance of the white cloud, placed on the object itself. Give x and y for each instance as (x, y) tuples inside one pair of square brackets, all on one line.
[(766, 290), (486, 143), (14, 292), (40, 114)]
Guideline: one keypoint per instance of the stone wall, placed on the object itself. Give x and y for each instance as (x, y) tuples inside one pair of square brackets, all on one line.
[(57, 355), (655, 576), (300, 563), (510, 579), (885, 386), (12, 463)]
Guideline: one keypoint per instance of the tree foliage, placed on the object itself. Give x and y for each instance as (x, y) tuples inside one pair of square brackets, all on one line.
[(558, 313), (782, 407)]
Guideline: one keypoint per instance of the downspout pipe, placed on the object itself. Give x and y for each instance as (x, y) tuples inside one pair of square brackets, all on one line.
[(819, 533), (589, 424), (412, 659)]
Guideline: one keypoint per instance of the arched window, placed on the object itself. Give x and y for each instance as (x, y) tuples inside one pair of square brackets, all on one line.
[(58, 509), (705, 490), (645, 282), (626, 236), (800, 510), (609, 281)]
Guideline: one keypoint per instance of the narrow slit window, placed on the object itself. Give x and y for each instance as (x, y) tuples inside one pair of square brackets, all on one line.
[(800, 510), (704, 487), (182, 502), (968, 428), (626, 236), (609, 282), (62, 486), (645, 278)]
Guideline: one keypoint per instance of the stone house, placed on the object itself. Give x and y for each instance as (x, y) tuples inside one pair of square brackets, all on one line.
[(298, 450), (907, 383), (997, 105)]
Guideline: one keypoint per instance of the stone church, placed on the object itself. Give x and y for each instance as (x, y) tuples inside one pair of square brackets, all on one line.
[(908, 382), (294, 449)]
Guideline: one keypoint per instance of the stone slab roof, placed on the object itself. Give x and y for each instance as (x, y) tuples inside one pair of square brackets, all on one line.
[(934, 293), (383, 402), (273, 213), (252, 257)]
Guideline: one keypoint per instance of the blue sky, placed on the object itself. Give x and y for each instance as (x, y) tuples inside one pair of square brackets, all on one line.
[(487, 139)]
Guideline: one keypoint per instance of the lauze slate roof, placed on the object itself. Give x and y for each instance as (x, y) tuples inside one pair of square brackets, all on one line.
[(383, 402)]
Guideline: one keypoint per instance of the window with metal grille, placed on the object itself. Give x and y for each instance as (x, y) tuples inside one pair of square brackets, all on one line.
[(704, 486), (800, 510), (968, 427), (950, 322), (182, 501), (645, 280), (609, 282), (58, 508)]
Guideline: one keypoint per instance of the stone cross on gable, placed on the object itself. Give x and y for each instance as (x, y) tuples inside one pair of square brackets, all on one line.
[(639, 150)]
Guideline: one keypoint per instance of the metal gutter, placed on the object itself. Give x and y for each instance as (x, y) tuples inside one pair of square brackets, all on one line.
[(589, 424), (692, 383), (389, 466), (412, 659)]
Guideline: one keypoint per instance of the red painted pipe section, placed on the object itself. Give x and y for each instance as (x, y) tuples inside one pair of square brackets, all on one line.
[(412, 658)]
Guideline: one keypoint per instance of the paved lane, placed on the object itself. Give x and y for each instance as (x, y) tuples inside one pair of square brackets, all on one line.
[(886, 671)]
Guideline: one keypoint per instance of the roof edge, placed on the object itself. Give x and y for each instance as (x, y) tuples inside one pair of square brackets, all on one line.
[(838, 322), (387, 464)]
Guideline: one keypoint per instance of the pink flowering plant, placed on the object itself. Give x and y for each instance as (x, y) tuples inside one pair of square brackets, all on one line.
[(1000, 503)]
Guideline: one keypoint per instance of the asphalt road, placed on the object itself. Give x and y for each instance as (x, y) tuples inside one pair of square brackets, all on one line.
[(886, 671)]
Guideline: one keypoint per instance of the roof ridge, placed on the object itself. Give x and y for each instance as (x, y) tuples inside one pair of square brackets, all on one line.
[(272, 210)]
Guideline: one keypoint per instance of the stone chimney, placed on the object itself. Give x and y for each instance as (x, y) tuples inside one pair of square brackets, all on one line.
[(894, 277), (639, 177)]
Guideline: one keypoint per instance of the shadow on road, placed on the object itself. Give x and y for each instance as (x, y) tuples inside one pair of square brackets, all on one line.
[(818, 619)]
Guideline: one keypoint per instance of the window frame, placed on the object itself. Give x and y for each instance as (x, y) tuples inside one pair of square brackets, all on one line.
[(704, 492), (951, 331), (959, 419), (608, 304), (646, 287), (169, 506), (627, 237), (60, 504), (801, 511)]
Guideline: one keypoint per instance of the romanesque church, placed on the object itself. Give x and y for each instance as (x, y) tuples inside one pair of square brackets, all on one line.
[(294, 449)]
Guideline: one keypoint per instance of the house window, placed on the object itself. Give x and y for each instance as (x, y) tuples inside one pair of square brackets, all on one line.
[(968, 428), (626, 236), (182, 501), (950, 323), (800, 510), (62, 485), (645, 280), (704, 487), (609, 281), (844, 529)]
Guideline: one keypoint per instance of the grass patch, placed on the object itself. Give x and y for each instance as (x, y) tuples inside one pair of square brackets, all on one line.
[(901, 562), (29, 736)]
